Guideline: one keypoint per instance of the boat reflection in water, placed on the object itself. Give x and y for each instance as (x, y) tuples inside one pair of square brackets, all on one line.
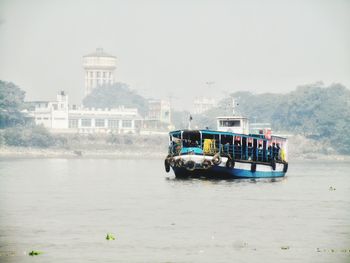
[(229, 152)]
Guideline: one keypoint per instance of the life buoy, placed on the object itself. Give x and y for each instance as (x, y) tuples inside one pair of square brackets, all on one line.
[(190, 165), (253, 167), (273, 165), (206, 164), (285, 167), (167, 165), (216, 159)]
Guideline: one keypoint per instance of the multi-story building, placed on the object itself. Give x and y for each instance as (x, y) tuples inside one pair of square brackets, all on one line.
[(159, 110), (203, 104), (99, 69), (52, 114), (59, 117), (159, 116)]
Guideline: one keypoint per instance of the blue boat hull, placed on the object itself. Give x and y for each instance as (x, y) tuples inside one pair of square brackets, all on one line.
[(220, 172)]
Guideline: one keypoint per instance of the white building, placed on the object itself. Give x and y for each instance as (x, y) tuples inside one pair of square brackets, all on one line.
[(99, 69), (159, 116), (52, 114), (203, 104), (159, 110), (59, 117)]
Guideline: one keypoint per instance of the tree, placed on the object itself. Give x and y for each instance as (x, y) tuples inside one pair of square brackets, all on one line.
[(11, 103), (113, 96)]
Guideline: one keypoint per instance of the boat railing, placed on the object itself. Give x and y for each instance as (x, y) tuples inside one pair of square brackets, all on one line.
[(258, 152)]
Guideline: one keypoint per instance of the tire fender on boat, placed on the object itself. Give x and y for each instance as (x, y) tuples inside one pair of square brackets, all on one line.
[(285, 167), (190, 165), (179, 163), (253, 167), (167, 165), (171, 161), (230, 163), (206, 164), (216, 159)]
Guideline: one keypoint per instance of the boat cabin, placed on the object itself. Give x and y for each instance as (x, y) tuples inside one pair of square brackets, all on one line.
[(235, 124), (238, 146)]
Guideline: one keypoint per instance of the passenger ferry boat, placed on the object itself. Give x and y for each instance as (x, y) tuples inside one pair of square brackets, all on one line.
[(227, 153)]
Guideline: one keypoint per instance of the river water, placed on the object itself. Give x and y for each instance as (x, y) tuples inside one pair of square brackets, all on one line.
[(65, 208)]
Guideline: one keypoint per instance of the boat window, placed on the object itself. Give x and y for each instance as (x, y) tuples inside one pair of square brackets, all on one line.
[(231, 123), (226, 139), (191, 139)]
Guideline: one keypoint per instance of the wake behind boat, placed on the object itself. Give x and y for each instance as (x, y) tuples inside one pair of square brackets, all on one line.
[(227, 153)]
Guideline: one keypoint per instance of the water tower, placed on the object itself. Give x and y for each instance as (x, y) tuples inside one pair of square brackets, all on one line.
[(99, 69)]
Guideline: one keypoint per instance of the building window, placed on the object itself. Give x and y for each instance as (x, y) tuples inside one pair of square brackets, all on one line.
[(86, 122), (126, 123), (113, 124), (54, 106), (73, 123), (99, 122), (91, 74), (104, 74), (46, 118), (98, 74)]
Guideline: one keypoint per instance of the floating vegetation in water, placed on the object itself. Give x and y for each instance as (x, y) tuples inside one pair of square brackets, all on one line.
[(285, 247), (332, 250), (35, 253), (331, 188), (110, 236)]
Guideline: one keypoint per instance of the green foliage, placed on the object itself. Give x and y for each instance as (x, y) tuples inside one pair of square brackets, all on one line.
[(35, 253), (312, 110), (110, 236), (11, 103), (113, 96), (36, 136)]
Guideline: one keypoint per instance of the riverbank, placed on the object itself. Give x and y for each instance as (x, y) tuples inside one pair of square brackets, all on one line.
[(142, 153), (25, 152), (150, 147)]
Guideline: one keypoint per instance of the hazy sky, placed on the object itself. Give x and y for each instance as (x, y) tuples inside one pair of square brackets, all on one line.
[(174, 47)]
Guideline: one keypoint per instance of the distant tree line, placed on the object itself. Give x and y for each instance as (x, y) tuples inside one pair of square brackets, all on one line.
[(114, 96), (11, 104), (315, 111)]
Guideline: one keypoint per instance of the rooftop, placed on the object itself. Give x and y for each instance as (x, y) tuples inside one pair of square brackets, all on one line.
[(99, 53)]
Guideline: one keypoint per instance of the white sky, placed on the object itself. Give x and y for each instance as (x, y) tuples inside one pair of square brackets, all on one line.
[(174, 47)]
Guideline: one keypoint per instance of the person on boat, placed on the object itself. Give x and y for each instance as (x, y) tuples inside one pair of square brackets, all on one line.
[(226, 148), (273, 151), (260, 151), (237, 149), (250, 148), (269, 152), (278, 152)]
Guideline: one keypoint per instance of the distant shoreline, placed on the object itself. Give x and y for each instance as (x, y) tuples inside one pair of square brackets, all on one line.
[(27, 152), (24, 152)]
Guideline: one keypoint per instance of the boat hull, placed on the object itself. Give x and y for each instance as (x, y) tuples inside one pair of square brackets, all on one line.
[(220, 171)]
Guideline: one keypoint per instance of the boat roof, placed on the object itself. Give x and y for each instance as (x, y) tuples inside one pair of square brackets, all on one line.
[(231, 117), (257, 136)]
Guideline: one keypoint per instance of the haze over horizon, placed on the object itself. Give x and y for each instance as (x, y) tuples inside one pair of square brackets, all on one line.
[(172, 48)]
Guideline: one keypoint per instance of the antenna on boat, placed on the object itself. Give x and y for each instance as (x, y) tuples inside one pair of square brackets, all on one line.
[(233, 106), (189, 122)]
